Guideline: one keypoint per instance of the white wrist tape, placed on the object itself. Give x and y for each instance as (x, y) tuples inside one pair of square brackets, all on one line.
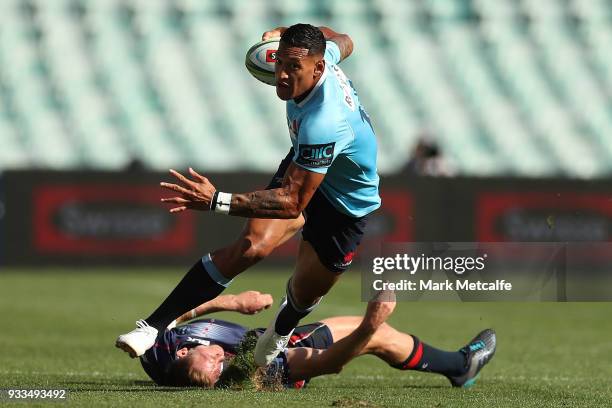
[(193, 314), (224, 200)]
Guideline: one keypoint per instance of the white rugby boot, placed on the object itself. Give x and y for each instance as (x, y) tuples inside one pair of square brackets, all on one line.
[(270, 345), (138, 341)]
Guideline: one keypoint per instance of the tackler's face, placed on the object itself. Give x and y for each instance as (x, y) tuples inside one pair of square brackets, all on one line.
[(207, 359), (296, 72)]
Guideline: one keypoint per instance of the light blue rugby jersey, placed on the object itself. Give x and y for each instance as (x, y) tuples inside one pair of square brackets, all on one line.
[(331, 133)]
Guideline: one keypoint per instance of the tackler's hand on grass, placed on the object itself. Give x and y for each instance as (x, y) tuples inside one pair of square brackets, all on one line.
[(195, 194)]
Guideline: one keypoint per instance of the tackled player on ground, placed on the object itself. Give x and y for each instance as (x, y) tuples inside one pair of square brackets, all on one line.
[(215, 353)]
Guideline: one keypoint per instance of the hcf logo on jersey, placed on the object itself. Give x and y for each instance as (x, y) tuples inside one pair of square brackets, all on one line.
[(316, 155)]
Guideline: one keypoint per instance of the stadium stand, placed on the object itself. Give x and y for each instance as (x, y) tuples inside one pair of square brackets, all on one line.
[(507, 87)]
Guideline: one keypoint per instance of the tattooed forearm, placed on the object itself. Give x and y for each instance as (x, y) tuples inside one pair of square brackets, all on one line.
[(276, 203)]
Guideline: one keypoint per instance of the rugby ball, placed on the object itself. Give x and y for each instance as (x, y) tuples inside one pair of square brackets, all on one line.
[(260, 60)]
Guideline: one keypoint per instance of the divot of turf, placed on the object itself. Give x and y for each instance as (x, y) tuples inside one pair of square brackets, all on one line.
[(353, 403), (243, 374)]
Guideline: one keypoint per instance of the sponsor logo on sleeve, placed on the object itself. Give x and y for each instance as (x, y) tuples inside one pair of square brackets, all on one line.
[(316, 155)]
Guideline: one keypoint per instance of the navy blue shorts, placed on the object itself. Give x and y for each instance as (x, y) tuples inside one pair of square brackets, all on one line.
[(334, 236), (313, 335)]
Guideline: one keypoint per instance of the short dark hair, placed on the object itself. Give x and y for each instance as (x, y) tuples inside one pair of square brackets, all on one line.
[(305, 36), (181, 373)]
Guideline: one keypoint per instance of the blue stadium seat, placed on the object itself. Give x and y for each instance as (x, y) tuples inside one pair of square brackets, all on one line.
[(514, 88)]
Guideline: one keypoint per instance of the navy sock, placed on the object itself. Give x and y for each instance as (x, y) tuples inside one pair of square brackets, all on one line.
[(288, 319), (290, 315), (202, 283), (430, 359)]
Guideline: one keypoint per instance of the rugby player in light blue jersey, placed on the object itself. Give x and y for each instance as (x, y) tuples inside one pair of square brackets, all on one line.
[(327, 185)]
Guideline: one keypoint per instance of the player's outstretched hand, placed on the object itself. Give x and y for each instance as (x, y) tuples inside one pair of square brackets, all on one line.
[(195, 193), (379, 309), (252, 301), (274, 33)]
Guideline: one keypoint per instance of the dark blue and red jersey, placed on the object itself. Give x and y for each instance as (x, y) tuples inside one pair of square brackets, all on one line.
[(228, 335), (205, 332)]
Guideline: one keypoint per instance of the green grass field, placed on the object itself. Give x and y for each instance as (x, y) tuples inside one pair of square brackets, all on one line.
[(59, 327)]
